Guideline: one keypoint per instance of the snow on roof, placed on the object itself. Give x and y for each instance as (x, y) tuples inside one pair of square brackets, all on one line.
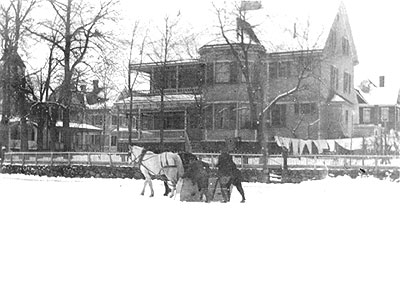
[(381, 95), (101, 105), (79, 126)]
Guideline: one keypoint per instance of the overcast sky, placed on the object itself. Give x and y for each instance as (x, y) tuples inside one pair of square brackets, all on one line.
[(374, 26)]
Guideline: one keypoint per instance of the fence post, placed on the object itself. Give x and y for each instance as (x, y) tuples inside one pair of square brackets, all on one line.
[(23, 159), (69, 158), (89, 161), (51, 159), (36, 158), (111, 162)]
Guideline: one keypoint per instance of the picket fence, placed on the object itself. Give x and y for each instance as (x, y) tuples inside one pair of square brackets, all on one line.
[(243, 161)]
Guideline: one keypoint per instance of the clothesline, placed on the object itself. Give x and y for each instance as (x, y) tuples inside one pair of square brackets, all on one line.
[(298, 145)]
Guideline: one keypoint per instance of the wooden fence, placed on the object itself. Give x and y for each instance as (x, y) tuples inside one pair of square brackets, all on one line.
[(243, 161)]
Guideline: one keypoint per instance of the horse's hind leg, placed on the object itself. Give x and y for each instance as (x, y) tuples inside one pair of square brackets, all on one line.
[(144, 187), (173, 190)]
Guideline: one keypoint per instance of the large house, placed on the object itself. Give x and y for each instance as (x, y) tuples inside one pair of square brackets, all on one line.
[(206, 101)]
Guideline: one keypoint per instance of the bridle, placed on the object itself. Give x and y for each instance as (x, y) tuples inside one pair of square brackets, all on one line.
[(137, 161)]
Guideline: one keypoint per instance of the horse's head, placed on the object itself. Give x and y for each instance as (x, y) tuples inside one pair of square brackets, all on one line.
[(134, 153)]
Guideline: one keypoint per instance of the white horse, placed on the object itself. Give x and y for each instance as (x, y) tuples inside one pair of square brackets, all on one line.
[(166, 164)]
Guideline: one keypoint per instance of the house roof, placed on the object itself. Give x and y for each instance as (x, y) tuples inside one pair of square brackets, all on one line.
[(303, 25), (82, 126), (336, 98), (380, 95)]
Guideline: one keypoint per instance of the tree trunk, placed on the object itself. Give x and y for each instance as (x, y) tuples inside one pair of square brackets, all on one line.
[(40, 131), (67, 133), (24, 135), (53, 136)]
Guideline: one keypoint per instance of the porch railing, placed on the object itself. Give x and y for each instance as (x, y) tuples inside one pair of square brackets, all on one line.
[(154, 135)]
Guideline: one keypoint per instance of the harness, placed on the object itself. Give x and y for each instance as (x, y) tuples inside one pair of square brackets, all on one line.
[(138, 162)]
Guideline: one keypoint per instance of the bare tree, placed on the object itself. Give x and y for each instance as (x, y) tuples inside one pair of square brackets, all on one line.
[(80, 30), (14, 17), (164, 50), (255, 75)]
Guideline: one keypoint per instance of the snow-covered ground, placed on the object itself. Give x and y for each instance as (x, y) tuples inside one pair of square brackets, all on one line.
[(98, 239)]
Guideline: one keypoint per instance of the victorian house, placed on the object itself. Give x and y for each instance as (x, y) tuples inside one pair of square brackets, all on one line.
[(206, 101)]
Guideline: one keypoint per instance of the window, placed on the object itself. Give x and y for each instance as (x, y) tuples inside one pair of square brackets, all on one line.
[(170, 77), (278, 115), (347, 83), (346, 117), (385, 114), (334, 78), (97, 120), (113, 140), (345, 46), (305, 108), (251, 69), (273, 70), (114, 120), (222, 72), (366, 113), (333, 40), (284, 69), (244, 117), (280, 69), (225, 116)]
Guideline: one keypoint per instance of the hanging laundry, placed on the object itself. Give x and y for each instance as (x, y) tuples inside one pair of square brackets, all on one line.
[(278, 140), (309, 145), (286, 142), (357, 144), (321, 145), (331, 144), (302, 144), (295, 144)]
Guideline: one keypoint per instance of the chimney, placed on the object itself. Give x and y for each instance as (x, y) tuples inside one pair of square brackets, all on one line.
[(95, 85), (83, 88), (381, 81)]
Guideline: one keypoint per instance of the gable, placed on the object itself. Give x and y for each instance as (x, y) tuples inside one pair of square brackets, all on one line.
[(340, 31)]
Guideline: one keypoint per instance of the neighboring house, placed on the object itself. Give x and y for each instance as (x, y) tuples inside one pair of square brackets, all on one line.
[(89, 119), (379, 108), (214, 85)]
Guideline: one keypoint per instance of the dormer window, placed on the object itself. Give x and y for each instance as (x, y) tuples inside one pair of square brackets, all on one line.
[(345, 46)]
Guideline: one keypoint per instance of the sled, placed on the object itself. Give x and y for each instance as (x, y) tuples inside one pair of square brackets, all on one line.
[(189, 192)]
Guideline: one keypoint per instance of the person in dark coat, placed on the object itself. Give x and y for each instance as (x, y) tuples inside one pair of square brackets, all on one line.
[(227, 168)]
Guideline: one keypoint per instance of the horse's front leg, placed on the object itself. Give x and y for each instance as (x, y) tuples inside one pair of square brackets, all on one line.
[(151, 188), (144, 187), (173, 189)]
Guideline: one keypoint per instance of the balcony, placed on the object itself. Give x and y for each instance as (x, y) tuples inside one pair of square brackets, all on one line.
[(175, 135)]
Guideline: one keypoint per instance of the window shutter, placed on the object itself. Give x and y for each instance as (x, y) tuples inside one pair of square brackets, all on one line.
[(210, 73)]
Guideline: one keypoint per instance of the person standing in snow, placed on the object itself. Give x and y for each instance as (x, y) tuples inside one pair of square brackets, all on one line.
[(227, 168)]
